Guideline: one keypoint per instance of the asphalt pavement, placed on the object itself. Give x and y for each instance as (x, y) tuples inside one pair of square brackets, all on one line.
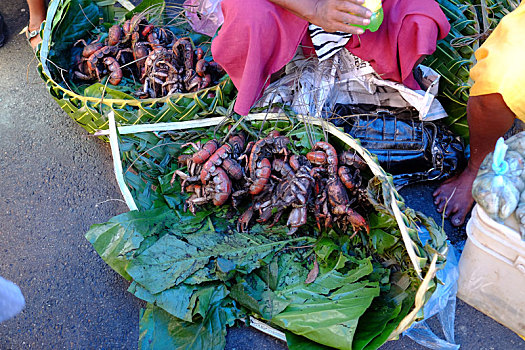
[(56, 182)]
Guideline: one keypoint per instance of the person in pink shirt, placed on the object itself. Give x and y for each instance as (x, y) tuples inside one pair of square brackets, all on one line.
[(259, 37)]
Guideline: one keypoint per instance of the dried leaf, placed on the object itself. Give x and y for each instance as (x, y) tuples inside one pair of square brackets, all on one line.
[(312, 275)]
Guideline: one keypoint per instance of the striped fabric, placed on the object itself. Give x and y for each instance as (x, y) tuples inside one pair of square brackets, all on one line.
[(327, 44)]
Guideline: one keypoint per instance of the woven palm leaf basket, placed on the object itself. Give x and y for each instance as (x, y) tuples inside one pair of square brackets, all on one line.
[(200, 274), (88, 103)]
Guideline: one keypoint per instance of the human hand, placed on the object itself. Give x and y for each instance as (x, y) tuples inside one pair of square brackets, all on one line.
[(340, 15)]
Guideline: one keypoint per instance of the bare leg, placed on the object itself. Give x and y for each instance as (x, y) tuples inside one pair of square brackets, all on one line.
[(37, 14), (488, 119)]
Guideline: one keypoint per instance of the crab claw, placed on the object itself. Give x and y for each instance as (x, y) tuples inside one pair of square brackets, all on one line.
[(296, 219), (244, 220), (184, 177), (357, 221)]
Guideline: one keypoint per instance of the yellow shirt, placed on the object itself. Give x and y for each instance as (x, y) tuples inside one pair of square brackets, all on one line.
[(500, 66)]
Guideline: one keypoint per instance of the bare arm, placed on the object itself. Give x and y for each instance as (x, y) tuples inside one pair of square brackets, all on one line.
[(331, 15)]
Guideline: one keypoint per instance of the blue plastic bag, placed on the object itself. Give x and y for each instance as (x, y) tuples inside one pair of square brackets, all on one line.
[(442, 303)]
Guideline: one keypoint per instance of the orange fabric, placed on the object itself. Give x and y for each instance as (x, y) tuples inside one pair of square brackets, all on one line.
[(500, 64)]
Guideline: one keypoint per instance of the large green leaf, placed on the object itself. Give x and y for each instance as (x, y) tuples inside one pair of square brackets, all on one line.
[(325, 311), (328, 309), (381, 221), (207, 297), (332, 320), (256, 295), (390, 326), (378, 321), (99, 90), (183, 301), (70, 25), (324, 248), (160, 330), (327, 281), (256, 291), (118, 240), (296, 342), (176, 300), (206, 314), (381, 240), (172, 260)]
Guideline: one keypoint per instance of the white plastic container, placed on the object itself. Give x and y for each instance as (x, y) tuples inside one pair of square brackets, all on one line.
[(492, 271)]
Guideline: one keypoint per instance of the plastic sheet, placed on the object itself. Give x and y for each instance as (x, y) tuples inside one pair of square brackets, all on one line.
[(442, 303), (498, 184), (314, 88), (205, 16)]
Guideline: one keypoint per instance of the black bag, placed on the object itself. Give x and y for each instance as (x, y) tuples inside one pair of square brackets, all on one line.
[(409, 149)]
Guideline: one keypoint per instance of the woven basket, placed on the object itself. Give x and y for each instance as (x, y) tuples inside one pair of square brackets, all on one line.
[(140, 168), (91, 111)]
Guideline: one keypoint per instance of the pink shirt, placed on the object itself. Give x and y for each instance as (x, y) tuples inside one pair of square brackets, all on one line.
[(258, 38)]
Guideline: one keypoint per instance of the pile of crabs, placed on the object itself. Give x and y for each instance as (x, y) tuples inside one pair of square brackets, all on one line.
[(272, 180), (149, 54)]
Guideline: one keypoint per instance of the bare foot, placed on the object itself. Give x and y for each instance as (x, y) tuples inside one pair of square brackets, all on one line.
[(454, 196), (35, 22), (33, 28), (35, 41), (37, 14)]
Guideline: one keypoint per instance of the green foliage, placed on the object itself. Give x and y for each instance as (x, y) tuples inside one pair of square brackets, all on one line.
[(118, 240), (297, 342), (380, 320), (160, 330), (177, 300), (325, 311), (343, 308), (254, 294), (171, 260)]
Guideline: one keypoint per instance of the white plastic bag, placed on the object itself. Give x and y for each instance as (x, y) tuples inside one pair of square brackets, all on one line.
[(11, 299), (313, 88)]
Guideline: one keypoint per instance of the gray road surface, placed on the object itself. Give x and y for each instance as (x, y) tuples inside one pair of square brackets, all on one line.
[(56, 182)]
